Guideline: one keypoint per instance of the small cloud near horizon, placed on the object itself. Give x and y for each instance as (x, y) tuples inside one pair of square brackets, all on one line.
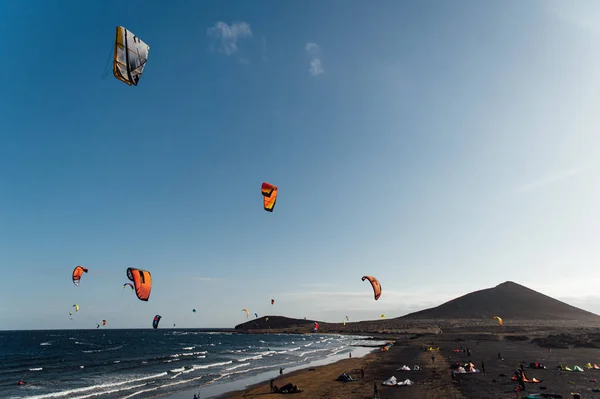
[(546, 180), (228, 36), (205, 278), (363, 302), (317, 285), (313, 50)]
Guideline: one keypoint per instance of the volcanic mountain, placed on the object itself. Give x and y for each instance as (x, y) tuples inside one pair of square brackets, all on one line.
[(508, 300)]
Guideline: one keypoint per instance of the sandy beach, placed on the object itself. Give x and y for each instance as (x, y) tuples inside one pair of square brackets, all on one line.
[(434, 379), (321, 382)]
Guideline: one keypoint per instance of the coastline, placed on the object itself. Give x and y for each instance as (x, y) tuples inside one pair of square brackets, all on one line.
[(230, 389), (430, 382)]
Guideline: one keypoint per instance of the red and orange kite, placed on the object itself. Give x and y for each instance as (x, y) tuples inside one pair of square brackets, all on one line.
[(77, 273), (375, 284), (142, 280), (269, 193)]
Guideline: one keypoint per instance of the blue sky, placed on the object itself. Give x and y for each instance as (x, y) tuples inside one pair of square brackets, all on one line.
[(442, 148)]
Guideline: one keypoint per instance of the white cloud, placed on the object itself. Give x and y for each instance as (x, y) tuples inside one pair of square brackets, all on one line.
[(591, 303), (362, 302), (314, 52), (583, 14), (228, 35), (317, 285), (551, 179), (205, 278)]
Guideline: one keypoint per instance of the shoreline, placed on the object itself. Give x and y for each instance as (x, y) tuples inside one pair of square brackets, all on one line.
[(225, 390), (367, 371)]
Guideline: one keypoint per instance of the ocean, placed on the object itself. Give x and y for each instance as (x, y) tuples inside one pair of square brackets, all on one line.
[(103, 363)]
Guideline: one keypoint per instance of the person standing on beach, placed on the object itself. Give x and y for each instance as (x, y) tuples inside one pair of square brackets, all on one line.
[(499, 357), (518, 392), (280, 371), (375, 391), (271, 384), (519, 375), (432, 358), (362, 372), (482, 367)]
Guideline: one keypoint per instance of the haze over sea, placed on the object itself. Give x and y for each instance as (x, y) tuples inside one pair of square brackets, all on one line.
[(141, 364)]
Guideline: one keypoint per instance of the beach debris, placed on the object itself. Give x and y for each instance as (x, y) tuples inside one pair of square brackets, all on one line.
[(77, 273), (466, 368), (269, 193), (537, 366), (130, 57), (142, 280), (375, 284), (393, 381), (390, 381), (287, 388), (345, 378)]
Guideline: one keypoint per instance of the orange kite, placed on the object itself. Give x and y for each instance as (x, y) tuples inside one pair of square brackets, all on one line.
[(142, 280), (375, 284), (77, 273)]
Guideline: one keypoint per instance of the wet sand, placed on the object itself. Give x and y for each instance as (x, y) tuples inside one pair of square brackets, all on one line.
[(220, 388)]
